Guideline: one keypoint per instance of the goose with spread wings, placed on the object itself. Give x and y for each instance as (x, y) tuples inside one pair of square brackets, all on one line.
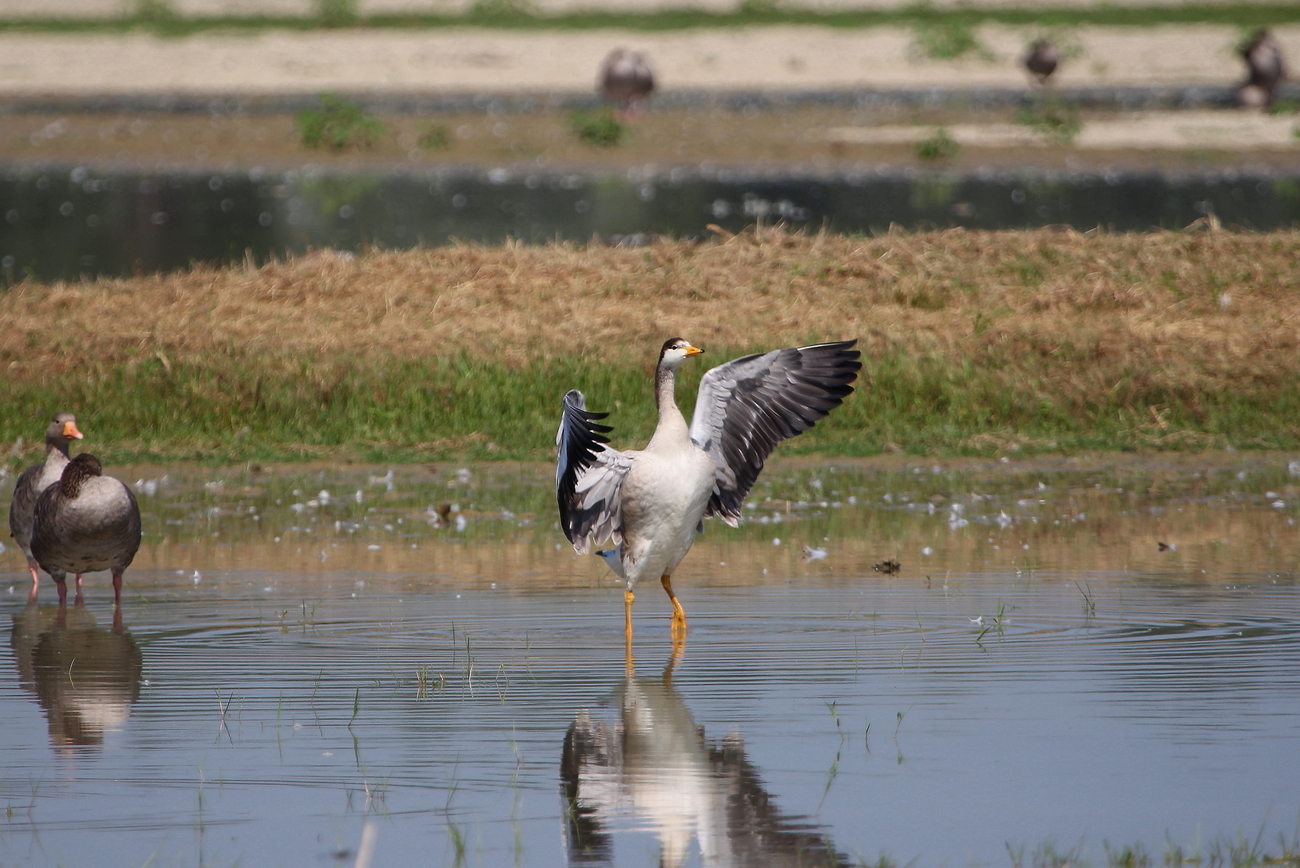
[(650, 503)]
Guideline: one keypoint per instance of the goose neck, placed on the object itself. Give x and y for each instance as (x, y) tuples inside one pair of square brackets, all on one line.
[(671, 421)]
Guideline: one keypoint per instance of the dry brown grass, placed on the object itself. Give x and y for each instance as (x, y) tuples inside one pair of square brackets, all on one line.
[(1205, 308), (974, 342)]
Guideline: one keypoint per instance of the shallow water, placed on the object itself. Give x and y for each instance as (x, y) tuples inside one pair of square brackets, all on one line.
[(294, 671)]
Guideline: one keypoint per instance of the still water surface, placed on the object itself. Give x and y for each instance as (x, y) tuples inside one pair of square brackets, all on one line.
[(307, 657), (64, 222)]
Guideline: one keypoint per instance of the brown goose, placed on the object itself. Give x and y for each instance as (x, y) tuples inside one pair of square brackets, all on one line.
[(1265, 67), (626, 79), (652, 502), (37, 478), (87, 522), (1042, 59)]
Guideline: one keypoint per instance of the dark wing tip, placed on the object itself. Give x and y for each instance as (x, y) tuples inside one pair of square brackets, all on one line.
[(579, 440)]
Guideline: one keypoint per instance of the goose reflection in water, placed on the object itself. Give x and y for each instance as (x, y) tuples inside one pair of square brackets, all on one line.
[(85, 677), (653, 768)]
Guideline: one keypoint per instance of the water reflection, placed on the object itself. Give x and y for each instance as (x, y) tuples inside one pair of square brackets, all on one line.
[(654, 769), (85, 677), (58, 223)]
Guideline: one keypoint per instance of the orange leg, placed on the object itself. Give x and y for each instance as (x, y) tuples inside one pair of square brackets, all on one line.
[(679, 615), (34, 569), (628, 664)]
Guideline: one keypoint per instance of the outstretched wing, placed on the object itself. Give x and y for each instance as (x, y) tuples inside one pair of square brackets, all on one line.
[(588, 477), (748, 405)]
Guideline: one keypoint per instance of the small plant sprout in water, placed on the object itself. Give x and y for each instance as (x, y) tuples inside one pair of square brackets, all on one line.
[(1046, 855), (939, 145), (995, 625), (1089, 604), (1130, 856), (898, 747), (426, 682)]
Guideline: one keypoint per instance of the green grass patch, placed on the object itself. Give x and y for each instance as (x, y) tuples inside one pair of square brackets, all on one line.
[(599, 127), (228, 410), (939, 145), (1053, 117), (338, 125), (948, 39), (522, 16)]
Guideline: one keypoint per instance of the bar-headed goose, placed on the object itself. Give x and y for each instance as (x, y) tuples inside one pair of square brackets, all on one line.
[(652, 502), (86, 522), (37, 478)]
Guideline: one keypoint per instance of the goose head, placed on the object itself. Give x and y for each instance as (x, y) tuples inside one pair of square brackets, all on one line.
[(675, 351), (62, 430), (79, 469)]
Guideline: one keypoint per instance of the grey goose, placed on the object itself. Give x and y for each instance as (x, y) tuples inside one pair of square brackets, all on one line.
[(34, 480), (86, 523)]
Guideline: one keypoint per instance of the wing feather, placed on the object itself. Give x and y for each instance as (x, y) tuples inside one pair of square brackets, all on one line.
[(588, 477), (748, 405)]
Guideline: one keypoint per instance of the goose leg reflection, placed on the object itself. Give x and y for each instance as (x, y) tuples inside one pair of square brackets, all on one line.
[(652, 768), (85, 678)]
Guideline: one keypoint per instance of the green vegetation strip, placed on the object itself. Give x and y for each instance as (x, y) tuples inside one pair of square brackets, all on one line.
[(974, 344), (158, 17), (477, 409)]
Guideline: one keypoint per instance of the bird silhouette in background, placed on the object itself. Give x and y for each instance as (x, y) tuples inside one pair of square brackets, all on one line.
[(626, 80), (1042, 59), (1265, 69)]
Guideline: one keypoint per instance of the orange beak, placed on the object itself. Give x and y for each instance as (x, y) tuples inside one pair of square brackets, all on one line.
[(693, 351), (70, 430)]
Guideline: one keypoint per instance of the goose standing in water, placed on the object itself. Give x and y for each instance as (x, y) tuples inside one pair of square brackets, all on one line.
[(34, 480), (84, 523), (652, 502)]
